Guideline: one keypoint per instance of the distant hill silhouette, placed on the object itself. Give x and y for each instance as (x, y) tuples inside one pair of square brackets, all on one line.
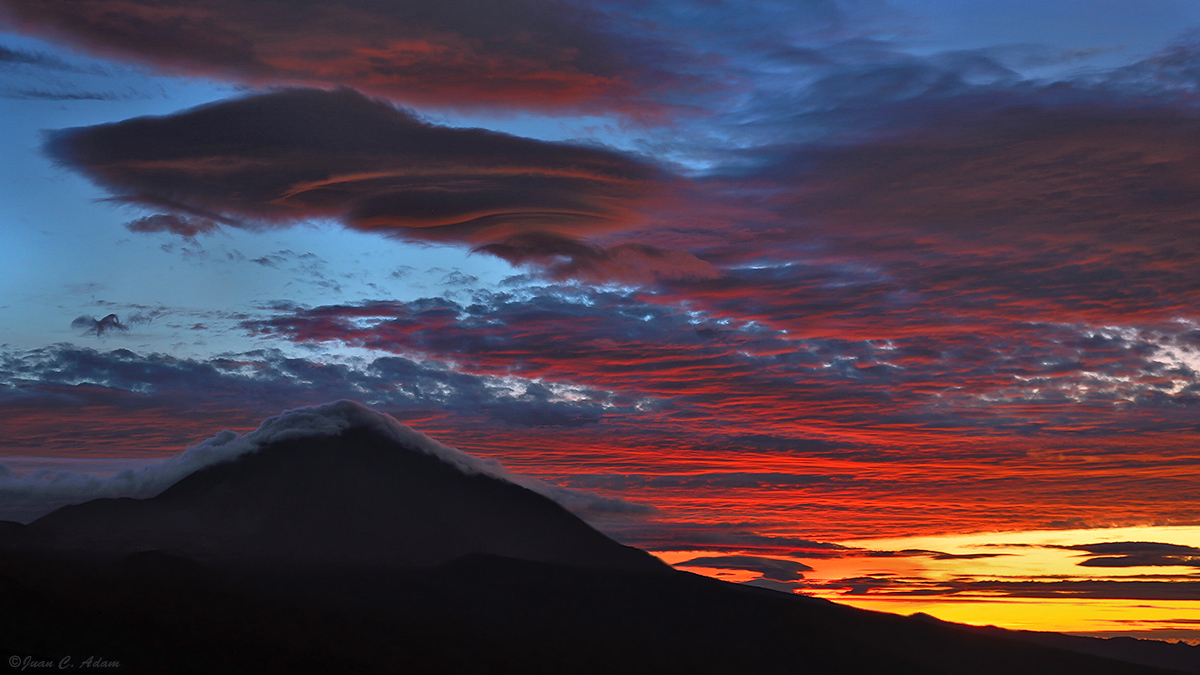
[(358, 547), (1178, 656)]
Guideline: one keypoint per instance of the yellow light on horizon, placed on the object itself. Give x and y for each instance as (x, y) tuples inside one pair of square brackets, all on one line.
[(1017, 556)]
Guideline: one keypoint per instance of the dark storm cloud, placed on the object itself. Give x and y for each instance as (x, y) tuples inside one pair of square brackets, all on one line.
[(298, 154), (548, 54), (98, 327), (293, 155), (723, 536), (889, 586), (922, 553), (185, 226), (773, 569), (1138, 554), (564, 258), (1133, 548)]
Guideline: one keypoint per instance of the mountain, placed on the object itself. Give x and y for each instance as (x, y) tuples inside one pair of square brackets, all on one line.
[(335, 540), (365, 495)]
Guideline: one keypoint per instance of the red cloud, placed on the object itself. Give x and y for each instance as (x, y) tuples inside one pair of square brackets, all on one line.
[(555, 56), (297, 154), (564, 258)]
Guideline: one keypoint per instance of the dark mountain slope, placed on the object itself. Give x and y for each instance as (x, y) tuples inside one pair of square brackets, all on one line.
[(357, 498)]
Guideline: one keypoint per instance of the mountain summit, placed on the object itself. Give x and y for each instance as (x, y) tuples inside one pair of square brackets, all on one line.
[(336, 485)]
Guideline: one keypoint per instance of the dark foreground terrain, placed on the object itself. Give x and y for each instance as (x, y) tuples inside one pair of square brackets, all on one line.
[(373, 551), (153, 613)]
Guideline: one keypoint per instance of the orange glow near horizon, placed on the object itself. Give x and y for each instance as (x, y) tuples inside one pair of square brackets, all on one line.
[(988, 591)]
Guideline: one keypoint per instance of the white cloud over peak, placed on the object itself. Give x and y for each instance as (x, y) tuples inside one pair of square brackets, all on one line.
[(25, 497)]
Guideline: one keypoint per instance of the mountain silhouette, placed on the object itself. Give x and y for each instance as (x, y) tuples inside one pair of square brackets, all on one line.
[(336, 540), (368, 495)]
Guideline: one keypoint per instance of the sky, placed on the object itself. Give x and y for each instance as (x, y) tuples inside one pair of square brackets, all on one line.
[(891, 302)]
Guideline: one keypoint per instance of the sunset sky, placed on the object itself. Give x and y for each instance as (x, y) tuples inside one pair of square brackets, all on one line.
[(894, 302)]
